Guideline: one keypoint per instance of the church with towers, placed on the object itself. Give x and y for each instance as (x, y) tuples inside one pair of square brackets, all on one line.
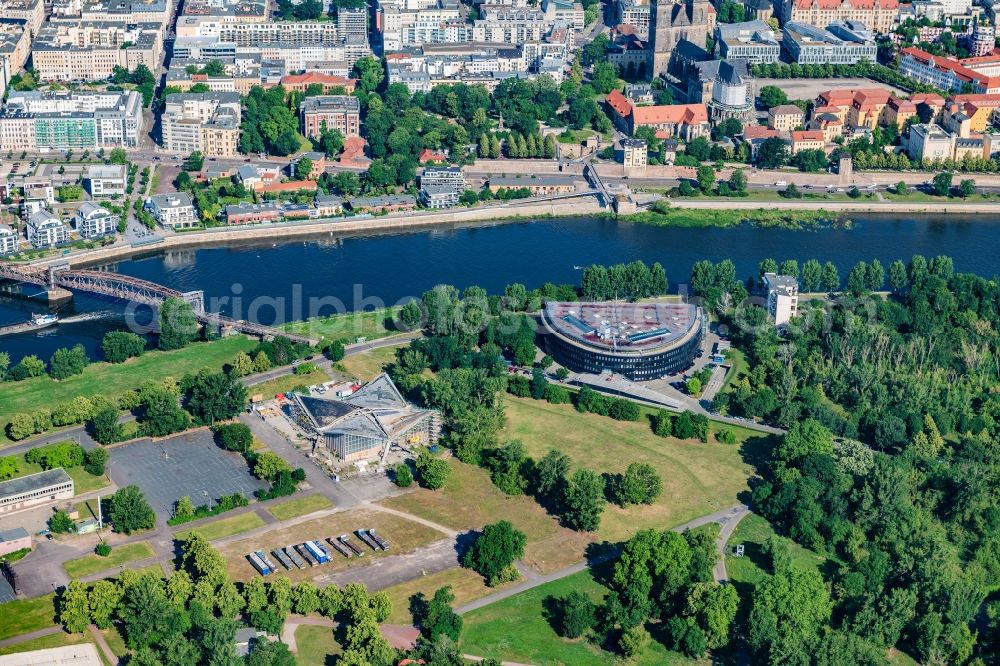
[(670, 21)]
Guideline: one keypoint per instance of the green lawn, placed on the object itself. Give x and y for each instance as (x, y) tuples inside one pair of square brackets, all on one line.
[(115, 642), (114, 379), (55, 640), (698, 478), (750, 569), (315, 645), (515, 629), (227, 526), (299, 507), (369, 364), (23, 616), (348, 326), (91, 564), (577, 136), (286, 383)]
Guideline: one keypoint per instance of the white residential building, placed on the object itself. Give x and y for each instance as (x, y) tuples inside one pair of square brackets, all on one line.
[(173, 210), (46, 230), (782, 297), (106, 180), (8, 240), (92, 221)]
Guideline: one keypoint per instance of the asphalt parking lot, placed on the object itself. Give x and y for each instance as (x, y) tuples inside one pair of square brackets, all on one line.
[(188, 464)]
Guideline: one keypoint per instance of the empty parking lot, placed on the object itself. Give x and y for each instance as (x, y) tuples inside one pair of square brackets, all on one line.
[(188, 464)]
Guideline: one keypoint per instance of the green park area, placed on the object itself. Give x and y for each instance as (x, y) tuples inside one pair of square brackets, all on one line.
[(516, 629), (120, 555), (368, 365), (22, 616), (349, 326), (316, 646), (698, 478), (113, 379), (750, 569), (465, 584), (219, 529), (299, 506)]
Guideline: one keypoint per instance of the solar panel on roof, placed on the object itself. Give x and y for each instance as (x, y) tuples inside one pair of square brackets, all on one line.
[(578, 323), (648, 335)]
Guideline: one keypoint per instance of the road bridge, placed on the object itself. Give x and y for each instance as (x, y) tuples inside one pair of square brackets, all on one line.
[(136, 290)]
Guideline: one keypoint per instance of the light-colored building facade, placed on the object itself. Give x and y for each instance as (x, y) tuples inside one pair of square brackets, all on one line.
[(785, 117), (9, 242), (90, 50), (173, 210), (106, 180), (807, 140), (92, 221), (753, 41), (782, 297), (879, 15), (46, 230), (635, 154), (206, 122), (958, 76), (841, 43), (70, 120), (32, 12)]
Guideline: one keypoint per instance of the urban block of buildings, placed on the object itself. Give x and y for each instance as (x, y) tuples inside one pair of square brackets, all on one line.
[(90, 50), (841, 43), (753, 41), (205, 122), (686, 121), (70, 120)]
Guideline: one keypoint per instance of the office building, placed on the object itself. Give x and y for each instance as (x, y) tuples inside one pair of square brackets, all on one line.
[(879, 15), (753, 41), (70, 120), (959, 76), (842, 43)]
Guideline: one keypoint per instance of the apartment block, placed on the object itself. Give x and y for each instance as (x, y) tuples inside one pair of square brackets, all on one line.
[(32, 12), (339, 112), (116, 11), (70, 120), (206, 122), (106, 180), (972, 75), (90, 50), (15, 47)]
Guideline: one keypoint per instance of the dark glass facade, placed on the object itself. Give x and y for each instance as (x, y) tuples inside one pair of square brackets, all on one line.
[(645, 366)]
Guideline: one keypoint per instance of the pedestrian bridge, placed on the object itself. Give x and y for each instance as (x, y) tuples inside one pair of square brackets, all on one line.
[(136, 290)]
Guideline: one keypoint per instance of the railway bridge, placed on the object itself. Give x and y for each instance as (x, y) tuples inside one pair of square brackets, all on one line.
[(136, 290)]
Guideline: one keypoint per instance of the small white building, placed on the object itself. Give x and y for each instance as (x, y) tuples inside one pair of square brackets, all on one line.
[(92, 221), (46, 230), (106, 180), (634, 153), (8, 240), (173, 210), (782, 297)]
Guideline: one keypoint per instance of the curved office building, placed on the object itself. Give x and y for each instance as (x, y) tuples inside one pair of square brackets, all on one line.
[(640, 341)]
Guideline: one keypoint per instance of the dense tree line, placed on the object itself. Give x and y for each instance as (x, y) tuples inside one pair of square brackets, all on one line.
[(889, 464), (630, 282)]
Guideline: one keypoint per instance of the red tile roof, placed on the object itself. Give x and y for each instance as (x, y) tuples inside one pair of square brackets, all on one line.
[(807, 135), (751, 132), (289, 186), (327, 80), (619, 103), (930, 99), (955, 66), (686, 114), (428, 155)]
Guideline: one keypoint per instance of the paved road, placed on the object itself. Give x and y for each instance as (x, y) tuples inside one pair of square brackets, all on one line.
[(727, 517)]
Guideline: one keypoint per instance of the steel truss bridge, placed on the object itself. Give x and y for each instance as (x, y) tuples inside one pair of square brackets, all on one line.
[(136, 290)]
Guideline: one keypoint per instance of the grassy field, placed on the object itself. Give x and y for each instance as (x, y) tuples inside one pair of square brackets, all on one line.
[(83, 481), (113, 379), (752, 568), (697, 478), (23, 616), (115, 642), (225, 527), (55, 640), (315, 646), (469, 500), (406, 536), (287, 382), (515, 629), (91, 564), (368, 365), (348, 326), (299, 507), (465, 584)]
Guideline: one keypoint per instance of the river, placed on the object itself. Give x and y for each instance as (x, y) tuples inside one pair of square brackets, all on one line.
[(360, 272)]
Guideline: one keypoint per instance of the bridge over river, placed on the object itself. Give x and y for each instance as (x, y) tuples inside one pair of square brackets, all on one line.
[(136, 290)]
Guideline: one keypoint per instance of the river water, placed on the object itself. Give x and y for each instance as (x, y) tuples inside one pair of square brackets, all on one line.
[(275, 281)]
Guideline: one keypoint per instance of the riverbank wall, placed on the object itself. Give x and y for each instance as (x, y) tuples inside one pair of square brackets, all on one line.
[(514, 212), (866, 206)]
